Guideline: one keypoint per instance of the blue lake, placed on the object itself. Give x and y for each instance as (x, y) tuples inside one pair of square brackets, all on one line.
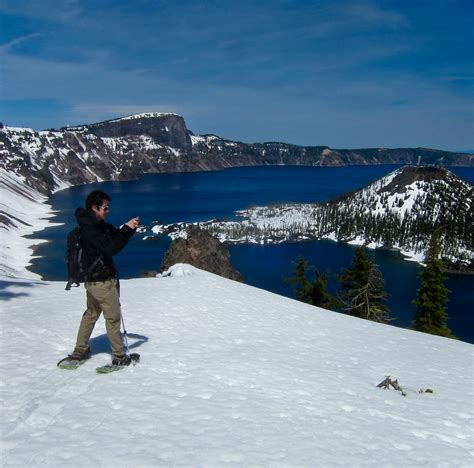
[(208, 195)]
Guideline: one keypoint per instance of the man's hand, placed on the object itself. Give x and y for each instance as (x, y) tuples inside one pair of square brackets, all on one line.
[(133, 223)]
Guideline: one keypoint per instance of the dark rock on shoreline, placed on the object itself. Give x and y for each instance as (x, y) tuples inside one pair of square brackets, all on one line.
[(203, 251)]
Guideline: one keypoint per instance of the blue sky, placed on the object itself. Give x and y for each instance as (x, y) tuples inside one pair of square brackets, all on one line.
[(347, 74)]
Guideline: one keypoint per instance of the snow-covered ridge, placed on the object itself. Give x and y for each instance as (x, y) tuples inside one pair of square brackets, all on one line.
[(23, 211), (210, 140), (13, 130), (196, 139), (75, 156), (230, 376), (144, 115), (52, 159)]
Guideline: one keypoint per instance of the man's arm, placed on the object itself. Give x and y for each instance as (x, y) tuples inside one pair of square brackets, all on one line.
[(108, 246)]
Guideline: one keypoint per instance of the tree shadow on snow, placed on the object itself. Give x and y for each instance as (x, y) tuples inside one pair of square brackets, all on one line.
[(6, 294), (100, 344)]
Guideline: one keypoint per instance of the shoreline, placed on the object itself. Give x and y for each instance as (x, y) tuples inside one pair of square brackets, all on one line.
[(178, 230), (28, 214), (43, 213)]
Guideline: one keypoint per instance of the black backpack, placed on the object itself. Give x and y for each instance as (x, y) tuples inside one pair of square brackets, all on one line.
[(79, 268)]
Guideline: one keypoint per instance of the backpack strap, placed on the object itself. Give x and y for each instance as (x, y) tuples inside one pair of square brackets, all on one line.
[(93, 265), (70, 283), (87, 273)]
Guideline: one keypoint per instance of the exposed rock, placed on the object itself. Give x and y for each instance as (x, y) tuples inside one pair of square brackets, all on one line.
[(165, 129), (203, 251), (148, 274), (411, 174)]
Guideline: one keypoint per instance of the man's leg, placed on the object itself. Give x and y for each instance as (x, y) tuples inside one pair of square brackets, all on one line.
[(88, 321), (106, 293)]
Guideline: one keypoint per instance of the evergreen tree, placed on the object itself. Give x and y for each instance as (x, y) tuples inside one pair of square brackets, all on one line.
[(363, 292), (299, 282), (319, 295), (432, 296), (312, 292)]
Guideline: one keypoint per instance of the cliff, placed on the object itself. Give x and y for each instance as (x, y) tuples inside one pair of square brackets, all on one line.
[(129, 147)]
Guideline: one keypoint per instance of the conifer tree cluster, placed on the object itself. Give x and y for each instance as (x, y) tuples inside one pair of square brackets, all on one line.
[(314, 291), (362, 286), (363, 294)]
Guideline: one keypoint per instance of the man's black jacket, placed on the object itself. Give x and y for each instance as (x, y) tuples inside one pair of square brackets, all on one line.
[(101, 239)]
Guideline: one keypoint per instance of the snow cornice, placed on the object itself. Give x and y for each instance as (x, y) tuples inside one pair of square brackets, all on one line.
[(145, 115)]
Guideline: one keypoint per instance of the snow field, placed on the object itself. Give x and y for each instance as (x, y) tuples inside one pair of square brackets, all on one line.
[(26, 212), (230, 376)]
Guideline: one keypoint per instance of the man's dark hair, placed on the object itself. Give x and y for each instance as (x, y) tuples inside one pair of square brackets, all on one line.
[(96, 198)]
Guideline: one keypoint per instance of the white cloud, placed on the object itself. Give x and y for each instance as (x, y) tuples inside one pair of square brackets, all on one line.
[(297, 78)]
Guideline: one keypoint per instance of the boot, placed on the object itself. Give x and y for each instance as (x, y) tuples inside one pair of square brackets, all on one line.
[(124, 360)]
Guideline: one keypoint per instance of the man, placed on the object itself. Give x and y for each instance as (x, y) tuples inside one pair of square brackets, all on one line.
[(102, 240)]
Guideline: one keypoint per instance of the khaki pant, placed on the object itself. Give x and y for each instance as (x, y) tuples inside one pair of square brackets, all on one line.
[(102, 296)]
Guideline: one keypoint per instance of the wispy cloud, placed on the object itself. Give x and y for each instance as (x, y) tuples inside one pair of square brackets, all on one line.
[(10, 45), (458, 77), (52, 10), (375, 14), (343, 73)]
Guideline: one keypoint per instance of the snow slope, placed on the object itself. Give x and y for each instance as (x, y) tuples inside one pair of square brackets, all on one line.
[(230, 376), (23, 211)]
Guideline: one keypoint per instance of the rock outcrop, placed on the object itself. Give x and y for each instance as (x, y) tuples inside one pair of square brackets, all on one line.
[(165, 129), (203, 251)]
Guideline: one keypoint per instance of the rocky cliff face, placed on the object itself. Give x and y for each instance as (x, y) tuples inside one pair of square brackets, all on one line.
[(126, 148), (203, 251), (164, 129)]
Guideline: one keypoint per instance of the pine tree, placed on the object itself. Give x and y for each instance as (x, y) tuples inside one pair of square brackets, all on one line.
[(319, 293), (363, 290), (300, 283), (312, 292), (432, 296)]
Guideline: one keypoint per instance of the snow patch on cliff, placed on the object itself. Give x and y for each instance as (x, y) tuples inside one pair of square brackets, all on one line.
[(23, 211)]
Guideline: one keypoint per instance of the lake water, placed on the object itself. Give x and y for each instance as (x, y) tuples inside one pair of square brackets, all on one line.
[(202, 196)]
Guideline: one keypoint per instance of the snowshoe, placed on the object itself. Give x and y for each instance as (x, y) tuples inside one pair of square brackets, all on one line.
[(74, 360), (119, 363)]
